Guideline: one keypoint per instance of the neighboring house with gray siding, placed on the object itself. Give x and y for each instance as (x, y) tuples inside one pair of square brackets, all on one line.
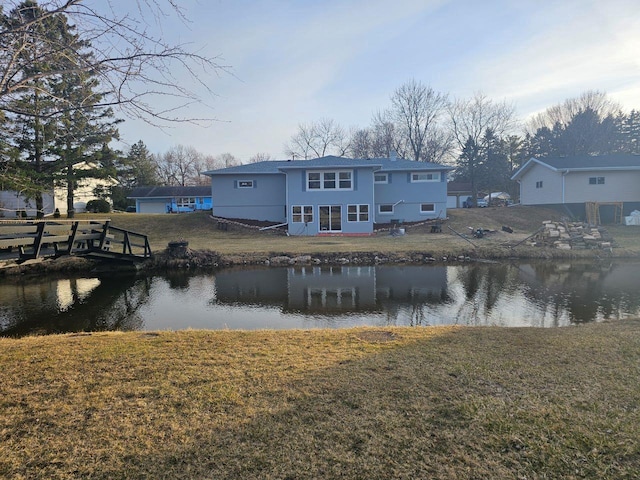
[(571, 182), (331, 195), (171, 199)]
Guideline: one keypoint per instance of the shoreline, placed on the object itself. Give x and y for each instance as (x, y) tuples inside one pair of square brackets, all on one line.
[(208, 259)]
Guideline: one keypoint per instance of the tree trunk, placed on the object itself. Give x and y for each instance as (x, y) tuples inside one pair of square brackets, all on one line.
[(70, 188)]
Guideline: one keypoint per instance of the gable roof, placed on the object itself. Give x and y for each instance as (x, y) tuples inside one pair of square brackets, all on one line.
[(330, 161), (161, 191), (583, 163)]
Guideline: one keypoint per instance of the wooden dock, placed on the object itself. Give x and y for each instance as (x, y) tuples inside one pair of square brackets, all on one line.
[(95, 238)]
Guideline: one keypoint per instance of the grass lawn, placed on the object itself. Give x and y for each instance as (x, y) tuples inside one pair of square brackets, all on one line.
[(392, 403), (201, 232)]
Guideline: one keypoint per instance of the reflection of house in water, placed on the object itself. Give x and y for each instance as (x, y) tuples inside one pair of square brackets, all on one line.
[(333, 289), (587, 290)]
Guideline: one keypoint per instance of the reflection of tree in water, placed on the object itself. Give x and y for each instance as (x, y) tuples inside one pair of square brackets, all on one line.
[(583, 289), (123, 313), (414, 310), (484, 286), (112, 305)]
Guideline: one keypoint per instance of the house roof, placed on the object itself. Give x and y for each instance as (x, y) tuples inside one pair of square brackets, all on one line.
[(459, 187), (167, 192), (279, 166), (583, 163)]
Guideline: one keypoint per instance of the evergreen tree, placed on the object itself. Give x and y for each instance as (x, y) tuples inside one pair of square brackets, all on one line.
[(56, 123)]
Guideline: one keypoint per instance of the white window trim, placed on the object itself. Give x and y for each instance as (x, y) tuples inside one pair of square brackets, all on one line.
[(386, 178), (359, 213), (428, 211), (337, 180), (301, 214), (240, 182), (436, 177), (386, 213)]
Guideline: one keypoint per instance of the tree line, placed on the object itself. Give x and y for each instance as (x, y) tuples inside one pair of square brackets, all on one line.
[(68, 73), (66, 68), (482, 138)]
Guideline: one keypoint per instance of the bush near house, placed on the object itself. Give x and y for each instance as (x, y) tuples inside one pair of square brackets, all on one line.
[(98, 206)]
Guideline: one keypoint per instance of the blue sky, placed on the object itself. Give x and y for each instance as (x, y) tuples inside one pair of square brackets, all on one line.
[(296, 62)]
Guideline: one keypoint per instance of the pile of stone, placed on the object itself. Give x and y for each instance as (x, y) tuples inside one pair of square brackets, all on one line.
[(572, 236)]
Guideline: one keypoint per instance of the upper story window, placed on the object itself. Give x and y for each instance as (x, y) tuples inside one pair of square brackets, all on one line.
[(381, 178), (245, 184), (330, 180), (596, 180), (425, 177), (539, 184)]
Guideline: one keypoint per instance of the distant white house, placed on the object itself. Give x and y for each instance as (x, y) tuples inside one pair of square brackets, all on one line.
[(14, 203), (572, 182)]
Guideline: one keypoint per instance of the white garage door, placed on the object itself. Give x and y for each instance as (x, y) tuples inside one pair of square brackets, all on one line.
[(452, 201), (158, 206)]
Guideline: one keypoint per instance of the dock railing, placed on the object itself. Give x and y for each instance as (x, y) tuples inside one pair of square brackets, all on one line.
[(36, 238)]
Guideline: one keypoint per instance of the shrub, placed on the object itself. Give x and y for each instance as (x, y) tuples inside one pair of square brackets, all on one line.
[(98, 206)]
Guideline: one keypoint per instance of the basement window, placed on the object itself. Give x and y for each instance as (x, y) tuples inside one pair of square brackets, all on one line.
[(427, 207)]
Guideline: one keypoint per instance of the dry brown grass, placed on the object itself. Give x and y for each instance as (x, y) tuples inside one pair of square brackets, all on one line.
[(201, 232), (456, 403)]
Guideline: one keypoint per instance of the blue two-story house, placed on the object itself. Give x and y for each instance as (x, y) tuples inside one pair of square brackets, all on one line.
[(331, 195)]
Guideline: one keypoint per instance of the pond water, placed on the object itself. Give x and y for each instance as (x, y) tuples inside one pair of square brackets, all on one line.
[(541, 294)]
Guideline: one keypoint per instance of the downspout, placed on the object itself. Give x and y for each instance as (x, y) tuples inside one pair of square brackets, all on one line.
[(564, 174)]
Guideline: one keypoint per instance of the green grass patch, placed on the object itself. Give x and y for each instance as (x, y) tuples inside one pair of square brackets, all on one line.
[(374, 403)]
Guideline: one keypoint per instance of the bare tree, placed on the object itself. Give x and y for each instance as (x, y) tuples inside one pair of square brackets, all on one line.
[(140, 72), (417, 111), (202, 164), (318, 139), (360, 145), (260, 157), (225, 160), (386, 137), (563, 113), (177, 166), (475, 119)]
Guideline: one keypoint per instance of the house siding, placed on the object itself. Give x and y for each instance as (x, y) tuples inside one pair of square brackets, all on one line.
[(317, 211), (619, 186), (551, 191), (411, 196), (360, 194), (265, 201)]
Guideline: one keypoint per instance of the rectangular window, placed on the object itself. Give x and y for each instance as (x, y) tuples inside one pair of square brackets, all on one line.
[(381, 178), (427, 207), (385, 208), (302, 213), (344, 180), (245, 184), (596, 180), (425, 177), (329, 181), (539, 184), (358, 213), (186, 202), (333, 180), (313, 180)]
